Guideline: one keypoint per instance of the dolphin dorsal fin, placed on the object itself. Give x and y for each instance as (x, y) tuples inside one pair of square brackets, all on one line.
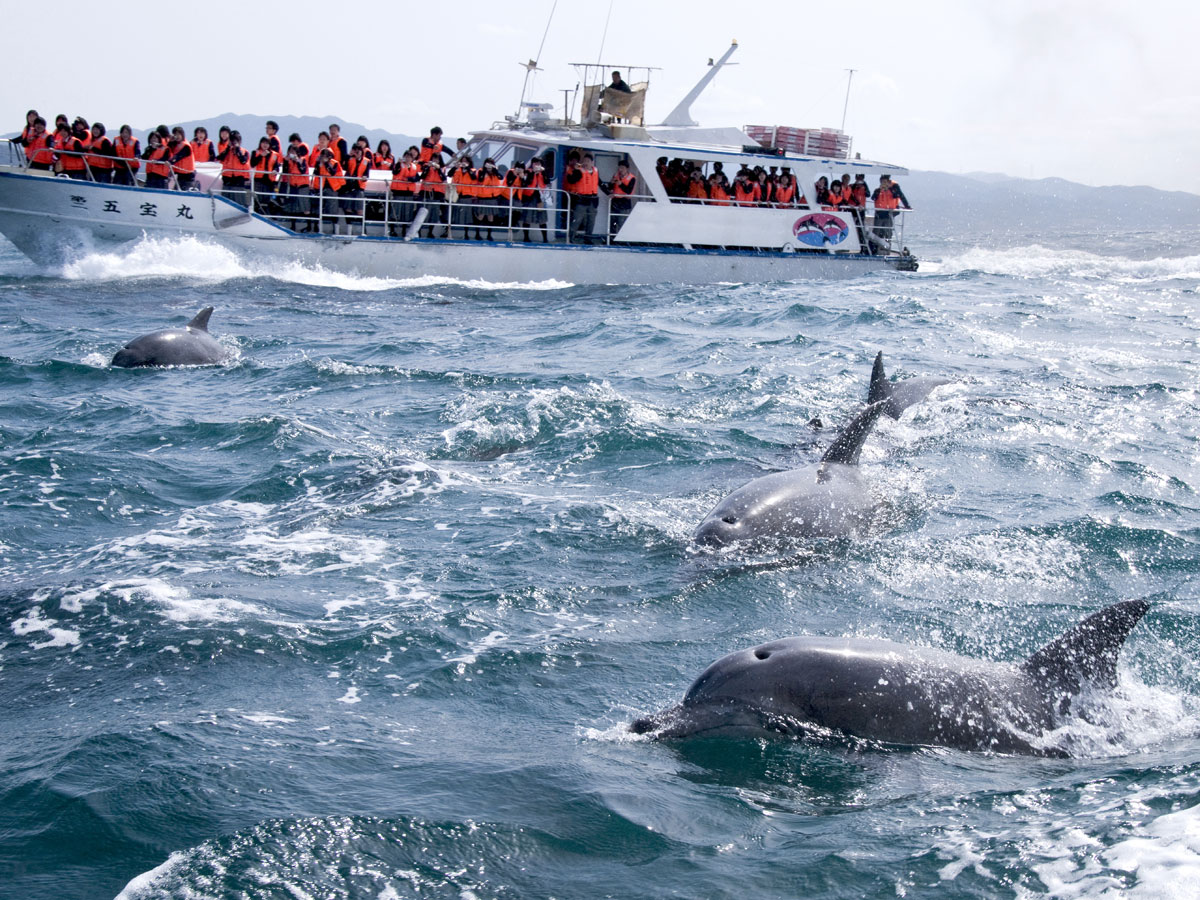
[(848, 445), (898, 396), (201, 319), (1088, 652)]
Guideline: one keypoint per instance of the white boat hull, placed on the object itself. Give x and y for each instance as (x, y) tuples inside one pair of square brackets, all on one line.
[(54, 220)]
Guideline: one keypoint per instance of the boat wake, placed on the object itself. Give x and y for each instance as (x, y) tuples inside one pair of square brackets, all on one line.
[(195, 258), (1037, 261)]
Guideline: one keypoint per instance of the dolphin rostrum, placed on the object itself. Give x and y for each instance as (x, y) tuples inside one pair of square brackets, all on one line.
[(190, 345), (900, 694), (826, 500)]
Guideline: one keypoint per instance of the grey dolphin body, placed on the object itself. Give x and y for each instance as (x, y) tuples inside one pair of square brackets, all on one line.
[(191, 345), (826, 500), (900, 694)]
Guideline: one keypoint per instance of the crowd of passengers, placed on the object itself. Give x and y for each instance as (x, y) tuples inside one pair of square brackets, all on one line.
[(312, 186)]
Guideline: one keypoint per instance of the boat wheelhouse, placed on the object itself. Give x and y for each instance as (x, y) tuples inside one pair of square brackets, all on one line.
[(659, 237)]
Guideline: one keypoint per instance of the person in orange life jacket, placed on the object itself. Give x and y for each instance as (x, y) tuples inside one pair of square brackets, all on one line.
[(490, 202), (235, 168), (202, 148), (464, 179), (295, 180), (357, 168), (264, 172), (766, 190), (129, 152), (433, 192), (402, 193), (785, 191), (745, 191), (431, 146), (272, 129), (101, 156), (697, 191), (836, 200), (887, 198), (856, 195), (718, 195), (533, 213), (183, 162), (513, 179), (382, 158), (158, 168), (622, 187), (322, 144), (584, 181), (38, 148), (27, 131), (68, 153), (337, 143), (222, 140), (326, 181)]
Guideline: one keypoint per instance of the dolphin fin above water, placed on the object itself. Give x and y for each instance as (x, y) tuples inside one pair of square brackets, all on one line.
[(200, 320), (1087, 654)]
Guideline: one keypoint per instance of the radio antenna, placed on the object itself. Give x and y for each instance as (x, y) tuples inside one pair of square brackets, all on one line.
[(532, 65), (846, 105)]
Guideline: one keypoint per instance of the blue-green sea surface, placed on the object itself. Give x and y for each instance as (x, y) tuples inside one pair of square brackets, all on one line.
[(365, 611)]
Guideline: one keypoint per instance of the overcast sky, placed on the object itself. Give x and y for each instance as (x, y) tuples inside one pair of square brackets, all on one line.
[(1099, 92)]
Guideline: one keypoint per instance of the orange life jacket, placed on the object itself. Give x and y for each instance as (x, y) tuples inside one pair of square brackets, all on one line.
[(357, 170), (295, 171), (428, 150), (69, 147), (26, 136), (39, 149), (465, 183), (404, 178), (719, 196), (380, 161), (784, 194), (697, 191), (885, 199), (434, 182), (588, 184), (265, 165), (129, 150), (221, 145), (202, 151), (859, 192), (234, 165), (835, 197), (332, 182), (101, 160), (746, 193), (537, 181), (491, 186), (625, 186), (153, 166), (186, 164)]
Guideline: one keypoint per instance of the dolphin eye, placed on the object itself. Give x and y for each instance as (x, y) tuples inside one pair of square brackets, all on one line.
[(729, 520), (761, 654)]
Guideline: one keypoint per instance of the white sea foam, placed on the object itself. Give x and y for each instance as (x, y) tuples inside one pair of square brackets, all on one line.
[(33, 623), (204, 260), (1037, 261)]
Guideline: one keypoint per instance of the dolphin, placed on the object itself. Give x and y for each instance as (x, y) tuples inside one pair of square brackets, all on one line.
[(900, 694), (826, 500), (190, 345)]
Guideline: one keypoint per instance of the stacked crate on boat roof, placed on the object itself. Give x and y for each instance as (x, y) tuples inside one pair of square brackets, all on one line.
[(829, 142)]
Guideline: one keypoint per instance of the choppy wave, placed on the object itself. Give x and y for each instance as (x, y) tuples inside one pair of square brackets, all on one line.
[(1040, 261), (197, 259)]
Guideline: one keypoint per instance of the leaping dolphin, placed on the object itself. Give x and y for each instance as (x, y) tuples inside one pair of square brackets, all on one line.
[(190, 345), (899, 694), (826, 500)]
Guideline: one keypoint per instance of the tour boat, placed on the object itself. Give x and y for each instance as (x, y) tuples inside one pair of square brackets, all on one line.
[(663, 238)]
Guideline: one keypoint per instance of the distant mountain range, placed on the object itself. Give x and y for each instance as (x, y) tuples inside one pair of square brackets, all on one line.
[(975, 202), (983, 202)]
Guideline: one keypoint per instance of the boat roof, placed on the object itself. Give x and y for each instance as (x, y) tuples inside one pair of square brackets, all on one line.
[(673, 141)]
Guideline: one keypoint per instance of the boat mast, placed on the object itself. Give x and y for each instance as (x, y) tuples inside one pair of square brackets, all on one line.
[(532, 65), (846, 105), (681, 114)]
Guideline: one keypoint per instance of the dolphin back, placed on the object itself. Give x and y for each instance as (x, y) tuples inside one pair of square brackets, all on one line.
[(1087, 654)]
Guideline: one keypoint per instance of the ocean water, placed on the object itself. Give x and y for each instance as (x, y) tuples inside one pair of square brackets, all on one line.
[(364, 612)]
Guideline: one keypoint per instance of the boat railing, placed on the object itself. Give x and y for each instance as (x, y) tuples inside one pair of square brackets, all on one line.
[(430, 209), (131, 168)]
